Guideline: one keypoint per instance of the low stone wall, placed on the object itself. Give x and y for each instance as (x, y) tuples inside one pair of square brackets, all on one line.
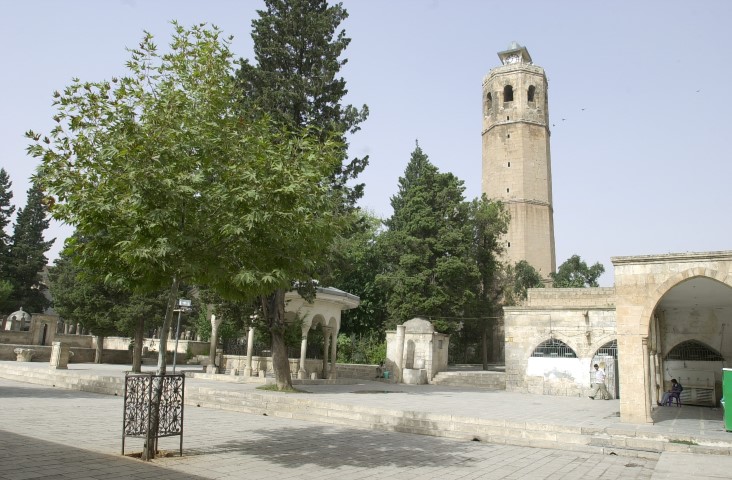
[(345, 370), (15, 338), (42, 353)]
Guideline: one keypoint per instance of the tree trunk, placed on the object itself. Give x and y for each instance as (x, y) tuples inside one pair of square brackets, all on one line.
[(172, 300), (273, 307), (148, 452), (485, 345), (99, 349), (138, 344)]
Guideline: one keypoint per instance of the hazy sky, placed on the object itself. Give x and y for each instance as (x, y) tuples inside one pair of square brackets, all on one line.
[(639, 99)]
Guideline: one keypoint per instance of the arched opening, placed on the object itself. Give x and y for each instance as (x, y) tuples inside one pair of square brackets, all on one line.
[(530, 94), (488, 103), (607, 358), (553, 348), (687, 340), (508, 93)]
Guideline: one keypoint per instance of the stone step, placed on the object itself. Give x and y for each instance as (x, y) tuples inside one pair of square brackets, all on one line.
[(619, 441), (493, 380)]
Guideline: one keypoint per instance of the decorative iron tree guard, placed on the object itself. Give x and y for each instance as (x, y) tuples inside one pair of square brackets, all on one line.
[(140, 411)]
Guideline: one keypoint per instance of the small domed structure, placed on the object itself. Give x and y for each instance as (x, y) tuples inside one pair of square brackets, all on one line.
[(18, 321)]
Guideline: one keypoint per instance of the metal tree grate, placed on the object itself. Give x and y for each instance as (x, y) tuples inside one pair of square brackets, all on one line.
[(694, 350), (138, 406), (554, 348)]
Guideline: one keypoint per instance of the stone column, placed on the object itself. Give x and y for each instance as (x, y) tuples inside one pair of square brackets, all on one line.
[(646, 379), (333, 354), (400, 334), (326, 346), (59, 356), (302, 373), (78, 329), (215, 323), (250, 351)]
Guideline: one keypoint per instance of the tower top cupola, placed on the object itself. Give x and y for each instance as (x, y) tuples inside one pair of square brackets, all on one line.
[(515, 54)]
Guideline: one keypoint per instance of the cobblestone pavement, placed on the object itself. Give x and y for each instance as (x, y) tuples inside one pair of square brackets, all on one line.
[(63, 434)]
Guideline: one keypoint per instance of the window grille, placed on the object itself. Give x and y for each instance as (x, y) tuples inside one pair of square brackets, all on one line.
[(554, 348), (610, 349), (694, 350)]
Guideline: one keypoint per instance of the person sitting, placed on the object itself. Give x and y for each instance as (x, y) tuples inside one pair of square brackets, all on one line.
[(675, 392)]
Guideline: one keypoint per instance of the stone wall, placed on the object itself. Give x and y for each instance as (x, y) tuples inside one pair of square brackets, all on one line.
[(585, 324), (42, 353), (345, 370)]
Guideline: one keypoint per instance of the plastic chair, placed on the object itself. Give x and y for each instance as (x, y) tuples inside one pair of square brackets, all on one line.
[(672, 396)]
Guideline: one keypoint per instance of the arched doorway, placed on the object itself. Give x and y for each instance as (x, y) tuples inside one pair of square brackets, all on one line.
[(607, 357), (689, 339)]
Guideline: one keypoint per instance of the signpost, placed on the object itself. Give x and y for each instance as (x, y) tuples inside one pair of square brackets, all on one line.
[(184, 305)]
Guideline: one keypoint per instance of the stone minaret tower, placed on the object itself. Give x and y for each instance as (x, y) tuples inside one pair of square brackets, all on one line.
[(516, 159)]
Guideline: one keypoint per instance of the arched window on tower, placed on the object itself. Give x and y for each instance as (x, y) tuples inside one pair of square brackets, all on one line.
[(530, 93), (554, 348), (508, 93), (488, 103)]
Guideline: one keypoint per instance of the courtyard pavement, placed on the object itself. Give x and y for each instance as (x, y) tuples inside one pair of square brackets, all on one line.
[(52, 433)]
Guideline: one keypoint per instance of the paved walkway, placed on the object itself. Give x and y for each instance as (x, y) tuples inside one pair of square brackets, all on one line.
[(62, 434)]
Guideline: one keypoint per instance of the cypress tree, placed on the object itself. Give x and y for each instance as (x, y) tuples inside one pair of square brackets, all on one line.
[(27, 255)]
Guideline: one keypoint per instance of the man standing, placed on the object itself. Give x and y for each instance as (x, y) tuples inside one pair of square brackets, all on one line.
[(599, 385)]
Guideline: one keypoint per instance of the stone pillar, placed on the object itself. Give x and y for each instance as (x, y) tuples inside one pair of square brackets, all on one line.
[(250, 351), (400, 334), (66, 328), (647, 379), (215, 323), (326, 346), (302, 373), (59, 356), (78, 329), (333, 354)]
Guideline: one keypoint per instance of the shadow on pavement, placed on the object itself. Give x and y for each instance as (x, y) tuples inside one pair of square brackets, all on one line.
[(28, 457), (324, 447)]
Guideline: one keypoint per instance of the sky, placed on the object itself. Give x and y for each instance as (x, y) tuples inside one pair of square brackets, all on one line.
[(639, 99)]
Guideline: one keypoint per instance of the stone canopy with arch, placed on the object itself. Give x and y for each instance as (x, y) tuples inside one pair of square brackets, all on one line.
[(667, 302), (667, 316)]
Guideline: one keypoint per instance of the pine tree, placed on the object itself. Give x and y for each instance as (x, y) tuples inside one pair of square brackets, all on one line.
[(27, 256), (431, 271), (295, 80), (6, 216)]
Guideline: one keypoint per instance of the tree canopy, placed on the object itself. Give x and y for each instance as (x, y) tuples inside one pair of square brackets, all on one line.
[(168, 181), (574, 273)]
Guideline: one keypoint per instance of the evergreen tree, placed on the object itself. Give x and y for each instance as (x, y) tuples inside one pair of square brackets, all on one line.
[(295, 80), (297, 48), (6, 216), (27, 256), (431, 268)]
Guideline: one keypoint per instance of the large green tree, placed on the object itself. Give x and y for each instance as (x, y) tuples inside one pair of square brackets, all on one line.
[(574, 273), (27, 255), (517, 280), (353, 265), (490, 222), (298, 48), (85, 299), (6, 217), (431, 269), (167, 180)]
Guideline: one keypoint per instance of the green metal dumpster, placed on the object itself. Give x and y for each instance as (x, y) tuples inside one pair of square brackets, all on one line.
[(727, 394)]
